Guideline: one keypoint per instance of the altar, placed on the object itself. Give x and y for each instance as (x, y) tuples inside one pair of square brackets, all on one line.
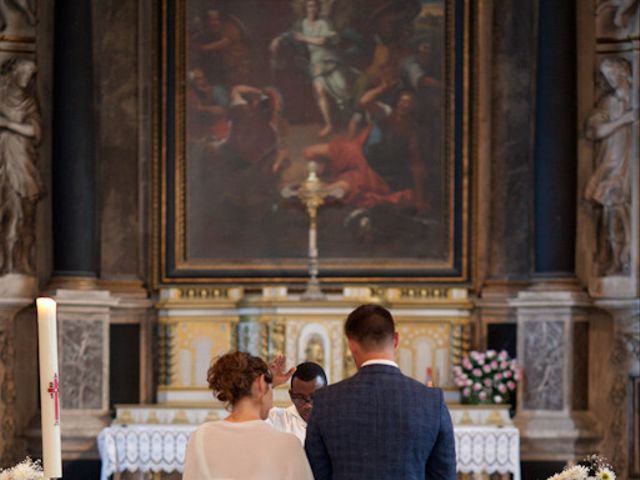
[(151, 440), (197, 324)]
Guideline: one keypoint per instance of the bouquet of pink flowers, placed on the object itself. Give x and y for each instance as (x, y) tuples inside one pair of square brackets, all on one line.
[(487, 377)]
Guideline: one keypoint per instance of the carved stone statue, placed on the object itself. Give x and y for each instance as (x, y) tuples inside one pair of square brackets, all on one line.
[(26, 7), (624, 10), (609, 188), (20, 184), (314, 352)]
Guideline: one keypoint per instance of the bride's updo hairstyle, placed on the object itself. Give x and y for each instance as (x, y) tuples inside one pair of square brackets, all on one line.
[(232, 375)]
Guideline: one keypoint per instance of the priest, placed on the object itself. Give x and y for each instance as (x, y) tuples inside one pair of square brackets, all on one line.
[(307, 378)]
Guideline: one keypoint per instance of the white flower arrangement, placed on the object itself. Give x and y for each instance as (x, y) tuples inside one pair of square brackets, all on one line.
[(27, 470), (487, 377), (591, 468)]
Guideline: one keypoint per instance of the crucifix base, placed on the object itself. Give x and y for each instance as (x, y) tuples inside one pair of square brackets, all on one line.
[(313, 291)]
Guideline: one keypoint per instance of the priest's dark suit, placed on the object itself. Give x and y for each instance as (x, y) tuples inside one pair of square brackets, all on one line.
[(380, 425)]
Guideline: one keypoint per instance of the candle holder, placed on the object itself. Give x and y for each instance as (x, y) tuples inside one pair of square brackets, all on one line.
[(312, 193)]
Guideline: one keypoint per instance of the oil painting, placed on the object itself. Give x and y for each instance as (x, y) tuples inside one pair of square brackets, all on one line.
[(364, 89)]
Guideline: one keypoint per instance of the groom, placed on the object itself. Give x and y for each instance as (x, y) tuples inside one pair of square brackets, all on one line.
[(379, 423)]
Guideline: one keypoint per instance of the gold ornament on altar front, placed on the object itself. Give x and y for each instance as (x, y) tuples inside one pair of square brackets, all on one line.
[(312, 193)]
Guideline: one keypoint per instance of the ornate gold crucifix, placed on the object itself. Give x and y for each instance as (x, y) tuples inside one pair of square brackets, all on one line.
[(312, 193)]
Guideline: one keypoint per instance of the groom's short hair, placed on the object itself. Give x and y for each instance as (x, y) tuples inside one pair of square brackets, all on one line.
[(370, 325)]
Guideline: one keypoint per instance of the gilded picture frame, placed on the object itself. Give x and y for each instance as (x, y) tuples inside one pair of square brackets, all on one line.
[(198, 238)]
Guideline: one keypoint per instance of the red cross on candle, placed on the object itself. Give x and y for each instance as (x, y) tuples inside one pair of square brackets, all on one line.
[(54, 391)]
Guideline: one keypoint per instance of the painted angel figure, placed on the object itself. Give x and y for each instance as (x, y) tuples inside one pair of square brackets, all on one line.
[(326, 67), (609, 126)]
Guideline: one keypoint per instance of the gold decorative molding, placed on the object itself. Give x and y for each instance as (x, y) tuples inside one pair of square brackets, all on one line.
[(73, 283), (210, 293), (424, 293), (124, 418)]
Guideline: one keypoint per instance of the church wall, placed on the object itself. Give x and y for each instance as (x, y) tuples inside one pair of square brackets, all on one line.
[(508, 35)]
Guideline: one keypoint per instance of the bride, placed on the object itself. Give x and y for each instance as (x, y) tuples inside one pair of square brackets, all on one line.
[(243, 446)]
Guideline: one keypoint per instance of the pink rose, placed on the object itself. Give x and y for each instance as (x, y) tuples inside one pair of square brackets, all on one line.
[(508, 374), (487, 382), (494, 365), (491, 353), (477, 386), (486, 368), (497, 377), (502, 388), (482, 395), (476, 372), (503, 355), (466, 392), (466, 364), (480, 359), (511, 385)]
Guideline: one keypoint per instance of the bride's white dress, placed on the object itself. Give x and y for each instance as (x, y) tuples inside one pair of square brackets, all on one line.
[(244, 451)]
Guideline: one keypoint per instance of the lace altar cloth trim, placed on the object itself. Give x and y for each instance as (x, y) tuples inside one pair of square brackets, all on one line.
[(156, 448), (488, 450), (146, 448)]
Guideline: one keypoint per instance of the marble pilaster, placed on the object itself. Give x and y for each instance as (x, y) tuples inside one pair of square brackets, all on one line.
[(83, 326), (16, 293), (612, 397), (553, 414), (514, 40)]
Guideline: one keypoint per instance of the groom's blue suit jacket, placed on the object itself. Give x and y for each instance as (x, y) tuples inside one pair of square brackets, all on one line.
[(380, 425)]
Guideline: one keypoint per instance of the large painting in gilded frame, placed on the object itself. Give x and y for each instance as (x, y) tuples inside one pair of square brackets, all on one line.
[(375, 92)]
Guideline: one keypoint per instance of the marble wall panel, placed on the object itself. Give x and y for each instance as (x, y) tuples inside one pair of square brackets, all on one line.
[(117, 85), (81, 363), (514, 33), (544, 359)]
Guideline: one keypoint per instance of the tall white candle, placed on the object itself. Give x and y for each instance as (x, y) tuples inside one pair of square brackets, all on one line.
[(49, 388)]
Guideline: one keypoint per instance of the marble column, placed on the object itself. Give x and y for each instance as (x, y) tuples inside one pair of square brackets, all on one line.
[(73, 173), (84, 310), (553, 341), (555, 140), (514, 39), (506, 48)]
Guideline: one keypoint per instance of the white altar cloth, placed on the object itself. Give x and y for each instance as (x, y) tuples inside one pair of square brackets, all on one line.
[(488, 449), (161, 448)]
